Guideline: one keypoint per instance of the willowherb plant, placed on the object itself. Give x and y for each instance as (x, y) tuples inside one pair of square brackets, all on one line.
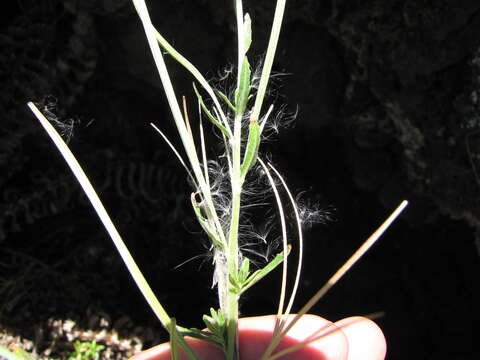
[(221, 186)]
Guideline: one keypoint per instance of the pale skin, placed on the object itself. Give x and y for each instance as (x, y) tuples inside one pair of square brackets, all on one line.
[(354, 338)]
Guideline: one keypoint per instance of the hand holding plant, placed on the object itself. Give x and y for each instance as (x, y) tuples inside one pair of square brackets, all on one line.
[(358, 338), (221, 184)]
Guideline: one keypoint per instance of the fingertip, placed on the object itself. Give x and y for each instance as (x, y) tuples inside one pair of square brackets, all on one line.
[(330, 343), (202, 349), (159, 352), (366, 340)]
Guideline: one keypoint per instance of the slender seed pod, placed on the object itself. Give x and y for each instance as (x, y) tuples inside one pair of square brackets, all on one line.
[(251, 151)]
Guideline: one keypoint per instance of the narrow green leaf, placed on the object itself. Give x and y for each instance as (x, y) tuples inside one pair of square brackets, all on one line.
[(220, 318), (226, 100), (244, 269), (236, 286), (207, 112), (259, 274), (269, 56), (251, 151), (247, 30), (214, 314), (209, 322), (201, 335), (109, 226), (193, 70), (173, 339), (217, 317), (243, 90), (204, 223), (216, 325)]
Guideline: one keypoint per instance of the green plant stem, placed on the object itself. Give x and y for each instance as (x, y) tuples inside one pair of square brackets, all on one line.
[(231, 311), (187, 140), (269, 56), (231, 303)]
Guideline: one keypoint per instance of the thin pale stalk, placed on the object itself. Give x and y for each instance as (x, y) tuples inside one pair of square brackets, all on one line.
[(312, 338), (127, 258), (187, 120), (316, 336), (204, 156), (204, 151), (177, 154), (337, 276), (226, 147), (265, 118), (206, 188), (284, 238), (300, 240)]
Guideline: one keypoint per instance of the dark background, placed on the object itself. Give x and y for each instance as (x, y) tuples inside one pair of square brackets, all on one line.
[(388, 96)]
